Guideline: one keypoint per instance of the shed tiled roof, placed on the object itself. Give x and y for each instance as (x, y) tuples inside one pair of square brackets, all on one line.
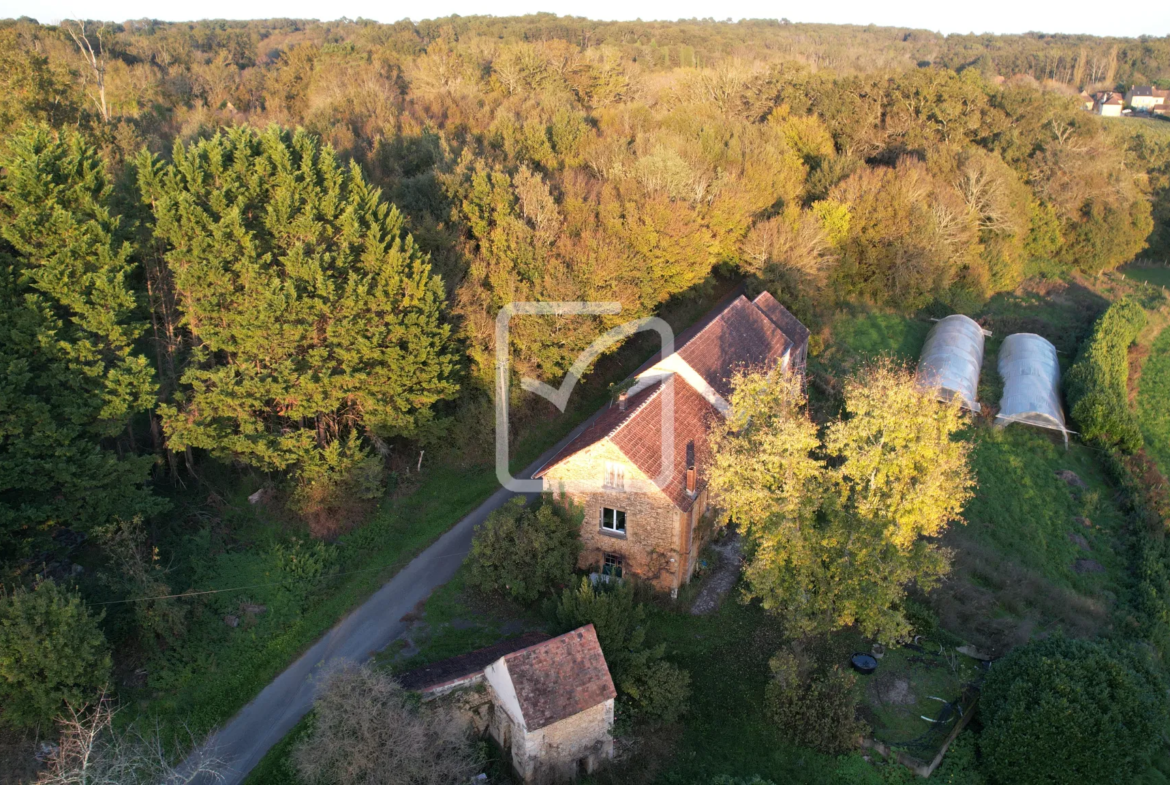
[(465, 666), (792, 328), (560, 677)]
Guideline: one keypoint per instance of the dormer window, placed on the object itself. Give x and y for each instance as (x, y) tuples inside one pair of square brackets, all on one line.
[(615, 476)]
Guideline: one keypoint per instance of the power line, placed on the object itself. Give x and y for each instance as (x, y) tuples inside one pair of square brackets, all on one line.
[(242, 588)]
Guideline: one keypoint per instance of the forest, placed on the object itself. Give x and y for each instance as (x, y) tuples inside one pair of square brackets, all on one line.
[(267, 257)]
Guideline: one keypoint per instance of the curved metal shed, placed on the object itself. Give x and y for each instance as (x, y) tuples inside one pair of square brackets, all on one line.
[(1031, 383), (952, 359)]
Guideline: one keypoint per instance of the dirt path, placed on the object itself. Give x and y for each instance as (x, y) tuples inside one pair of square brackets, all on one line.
[(726, 574)]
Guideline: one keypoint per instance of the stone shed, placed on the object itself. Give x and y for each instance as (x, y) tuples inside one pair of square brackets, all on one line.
[(553, 707)]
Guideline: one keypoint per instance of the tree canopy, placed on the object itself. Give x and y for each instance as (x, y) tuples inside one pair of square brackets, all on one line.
[(73, 378), (314, 323), (838, 527)]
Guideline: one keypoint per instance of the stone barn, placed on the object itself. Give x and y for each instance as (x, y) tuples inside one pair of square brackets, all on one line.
[(553, 707), (548, 702)]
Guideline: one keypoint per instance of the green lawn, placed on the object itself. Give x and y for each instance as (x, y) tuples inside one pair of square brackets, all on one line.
[(1157, 275), (1153, 402)]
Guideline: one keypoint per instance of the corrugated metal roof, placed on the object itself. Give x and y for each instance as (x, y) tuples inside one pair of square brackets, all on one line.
[(952, 359)]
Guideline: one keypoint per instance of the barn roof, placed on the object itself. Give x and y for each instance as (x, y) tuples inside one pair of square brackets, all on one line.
[(560, 677)]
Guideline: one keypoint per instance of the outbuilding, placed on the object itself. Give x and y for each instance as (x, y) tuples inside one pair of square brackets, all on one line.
[(952, 359), (1030, 370)]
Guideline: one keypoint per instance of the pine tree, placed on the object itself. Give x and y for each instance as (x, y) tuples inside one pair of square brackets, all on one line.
[(71, 379), (314, 323)]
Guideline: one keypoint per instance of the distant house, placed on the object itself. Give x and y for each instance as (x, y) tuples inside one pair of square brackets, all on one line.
[(548, 704), (1108, 104), (639, 471), (1144, 98), (1086, 101)]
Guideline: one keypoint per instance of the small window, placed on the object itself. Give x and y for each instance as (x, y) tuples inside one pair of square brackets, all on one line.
[(615, 476), (612, 565), (613, 520)]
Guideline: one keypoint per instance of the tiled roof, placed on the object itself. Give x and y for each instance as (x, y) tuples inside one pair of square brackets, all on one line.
[(560, 677), (465, 666), (792, 328), (606, 423), (740, 337), (640, 438), (736, 334)]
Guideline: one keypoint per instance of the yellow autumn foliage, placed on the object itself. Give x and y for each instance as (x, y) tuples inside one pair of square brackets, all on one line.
[(838, 527)]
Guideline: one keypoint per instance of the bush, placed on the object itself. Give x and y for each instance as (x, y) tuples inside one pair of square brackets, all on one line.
[(814, 708), (1097, 382), (653, 689), (656, 690), (367, 730), (523, 552), (51, 653), (1060, 711)]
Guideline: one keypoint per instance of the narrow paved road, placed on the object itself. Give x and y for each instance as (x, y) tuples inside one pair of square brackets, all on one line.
[(371, 627)]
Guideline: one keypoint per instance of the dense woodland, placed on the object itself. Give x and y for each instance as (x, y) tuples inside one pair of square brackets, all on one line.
[(276, 249)]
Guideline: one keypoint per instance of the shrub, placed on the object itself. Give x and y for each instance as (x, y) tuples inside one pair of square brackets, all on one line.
[(656, 690), (1061, 710), (51, 653), (522, 552), (1097, 382), (653, 690), (813, 707), (367, 730)]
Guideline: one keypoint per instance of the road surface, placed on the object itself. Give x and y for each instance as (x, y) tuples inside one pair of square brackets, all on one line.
[(240, 744)]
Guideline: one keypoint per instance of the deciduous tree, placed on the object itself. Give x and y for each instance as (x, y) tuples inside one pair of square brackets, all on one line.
[(839, 527)]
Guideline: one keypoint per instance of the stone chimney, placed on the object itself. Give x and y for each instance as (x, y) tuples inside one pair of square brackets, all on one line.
[(623, 396)]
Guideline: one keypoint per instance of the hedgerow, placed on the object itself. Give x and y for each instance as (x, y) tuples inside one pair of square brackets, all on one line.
[(1061, 710), (1096, 384)]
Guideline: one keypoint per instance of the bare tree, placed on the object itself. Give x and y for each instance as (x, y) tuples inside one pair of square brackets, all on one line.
[(95, 59), (92, 752), (366, 732)]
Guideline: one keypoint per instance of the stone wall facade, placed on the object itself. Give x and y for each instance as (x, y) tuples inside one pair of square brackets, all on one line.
[(559, 752), (661, 542)]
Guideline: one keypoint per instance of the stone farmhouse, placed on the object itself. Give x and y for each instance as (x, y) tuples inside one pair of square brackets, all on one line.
[(548, 705), (639, 469)]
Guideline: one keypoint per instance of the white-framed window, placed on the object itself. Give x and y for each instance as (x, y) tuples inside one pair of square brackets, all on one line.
[(613, 521), (615, 476), (611, 565)]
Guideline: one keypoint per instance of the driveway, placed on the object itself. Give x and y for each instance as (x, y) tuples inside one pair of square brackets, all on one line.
[(242, 742)]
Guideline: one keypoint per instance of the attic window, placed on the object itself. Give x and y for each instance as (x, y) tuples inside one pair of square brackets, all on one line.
[(613, 521), (615, 476)]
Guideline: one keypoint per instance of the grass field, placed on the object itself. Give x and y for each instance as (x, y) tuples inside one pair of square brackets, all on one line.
[(1153, 402), (1026, 561), (1158, 275)]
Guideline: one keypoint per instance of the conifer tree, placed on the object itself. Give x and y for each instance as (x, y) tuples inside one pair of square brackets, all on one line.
[(314, 323), (70, 378)]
